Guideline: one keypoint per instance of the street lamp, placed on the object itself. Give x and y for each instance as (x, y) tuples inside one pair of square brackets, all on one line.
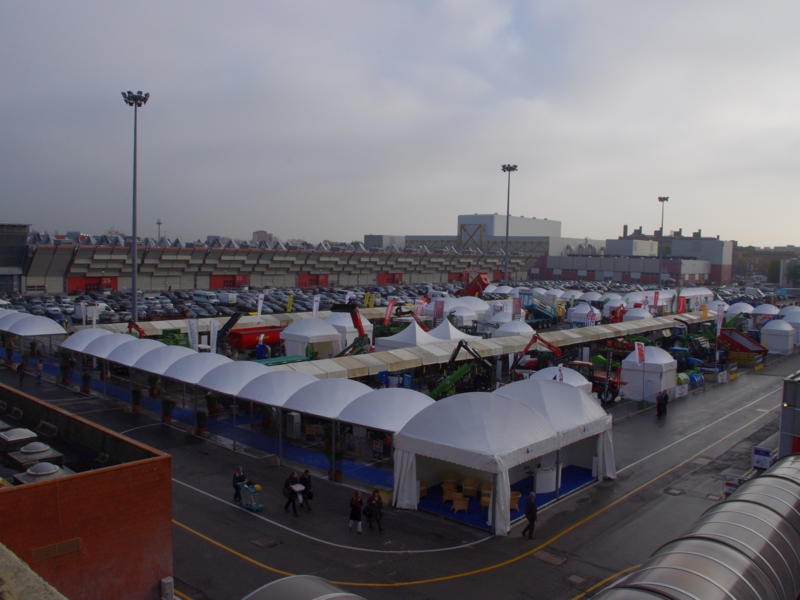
[(508, 169), (136, 100), (663, 200)]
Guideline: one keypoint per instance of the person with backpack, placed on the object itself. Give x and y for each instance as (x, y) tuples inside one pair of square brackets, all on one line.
[(661, 403), (374, 509)]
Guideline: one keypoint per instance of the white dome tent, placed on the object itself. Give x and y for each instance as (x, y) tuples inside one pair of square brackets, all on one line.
[(739, 309), (778, 337), (484, 432), (611, 305), (343, 323), (788, 309), (719, 305), (321, 336), (590, 297), (636, 314), (512, 328), (645, 381), (159, 360), (411, 336), (387, 409), (578, 313), (793, 319), (463, 316), (570, 376), (498, 319), (80, 339), (476, 305), (446, 331)]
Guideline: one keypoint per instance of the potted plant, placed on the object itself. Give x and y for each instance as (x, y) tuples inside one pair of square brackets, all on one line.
[(86, 380), (212, 401), (166, 410), (335, 472), (64, 366), (202, 419), (154, 389), (136, 399), (32, 348)]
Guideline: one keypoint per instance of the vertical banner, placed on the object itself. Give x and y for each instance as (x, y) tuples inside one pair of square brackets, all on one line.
[(83, 314), (720, 319), (315, 311), (389, 308), (590, 318), (705, 311), (655, 302), (640, 352), (191, 331), (258, 309), (347, 296), (681, 305), (94, 316), (289, 303), (517, 314), (214, 333), (560, 374), (438, 312), (419, 306)]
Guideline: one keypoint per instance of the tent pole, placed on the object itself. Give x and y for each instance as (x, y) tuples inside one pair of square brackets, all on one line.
[(234, 423), (494, 503), (333, 451), (280, 434), (558, 473)]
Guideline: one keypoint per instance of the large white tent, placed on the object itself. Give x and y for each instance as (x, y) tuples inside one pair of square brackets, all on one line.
[(636, 314), (578, 313), (104, 345), (590, 297), (409, 337), (128, 354), (33, 326), (778, 337), (276, 387), (645, 381), (230, 377), (611, 305), (446, 331), (463, 316), (326, 398), (159, 360), (479, 431), (554, 293), (191, 369), (719, 305), (569, 376), (766, 309), (512, 328), (740, 308), (343, 323), (79, 340), (789, 308), (387, 409), (8, 319), (324, 338)]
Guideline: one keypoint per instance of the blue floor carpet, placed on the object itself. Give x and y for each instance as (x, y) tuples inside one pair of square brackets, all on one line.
[(572, 478)]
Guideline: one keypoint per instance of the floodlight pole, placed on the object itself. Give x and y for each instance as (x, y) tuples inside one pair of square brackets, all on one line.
[(663, 200), (508, 169), (136, 100)]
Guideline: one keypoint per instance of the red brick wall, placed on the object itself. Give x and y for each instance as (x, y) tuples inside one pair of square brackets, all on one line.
[(122, 515)]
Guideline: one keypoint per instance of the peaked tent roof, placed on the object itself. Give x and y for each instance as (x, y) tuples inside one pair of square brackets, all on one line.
[(571, 376), (408, 337), (387, 409), (446, 331)]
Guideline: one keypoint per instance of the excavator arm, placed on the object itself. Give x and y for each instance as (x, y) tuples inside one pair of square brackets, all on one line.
[(536, 338)]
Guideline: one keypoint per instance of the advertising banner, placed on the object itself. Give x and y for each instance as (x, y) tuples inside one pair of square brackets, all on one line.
[(681, 305), (315, 311), (214, 333), (419, 306), (438, 313), (517, 315), (640, 352), (389, 308), (289, 303), (258, 309), (192, 332)]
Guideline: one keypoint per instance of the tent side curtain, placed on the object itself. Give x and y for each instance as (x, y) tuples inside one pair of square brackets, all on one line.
[(606, 466), (584, 431), (406, 484)]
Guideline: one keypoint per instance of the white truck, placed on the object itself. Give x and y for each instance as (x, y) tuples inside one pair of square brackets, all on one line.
[(228, 298), (90, 309)]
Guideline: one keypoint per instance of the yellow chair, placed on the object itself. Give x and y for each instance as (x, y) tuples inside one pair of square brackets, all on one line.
[(486, 487), (449, 493), (460, 504), (450, 477), (469, 487), (485, 500), (514, 500), (423, 488)]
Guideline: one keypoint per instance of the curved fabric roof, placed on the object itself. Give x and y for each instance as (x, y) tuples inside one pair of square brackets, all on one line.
[(766, 309), (33, 326), (503, 289), (78, 341), (610, 296), (636, 314), (489, 289), (792, 317), (720, 305), (571, 377), (739, 307), (513, 328), (408, 337), (789, 308), (10, 318), (345, 321), (229, 378), (449, 304), (477, 305), (480, 430), (192, 368), (573, 413), (310, 331), (555, 293), (6, 311), (387, 409), (652, 355), (778, 325), (128, 354), (446, 331), (590, 296), (104, 345), (159, 360), (326, 398), (501, 317), (276, 387)]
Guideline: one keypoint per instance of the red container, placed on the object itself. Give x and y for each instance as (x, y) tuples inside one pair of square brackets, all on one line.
[(247, 339)]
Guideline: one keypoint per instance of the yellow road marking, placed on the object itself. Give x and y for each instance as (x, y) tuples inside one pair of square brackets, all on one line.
[(181, 595), (606, 580), (505, 562)]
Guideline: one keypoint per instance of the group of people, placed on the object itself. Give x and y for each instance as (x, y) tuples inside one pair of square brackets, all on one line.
[(22, 368), (373, 511)]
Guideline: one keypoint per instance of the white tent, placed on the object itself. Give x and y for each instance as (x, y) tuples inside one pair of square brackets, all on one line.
[(511, 328), (10, 318), (325, 339), (408, 338), (609, 296), (104, 345), (740, 308), (636, 314), (489, 289), (645, 381), (590, 297), (570, 376), (276, 387), (554, 293), (503, 290), (719, 305), (499, 318), (191, 369), (34, 326), (789, 308), (6, 311), (611, 305), (326, 398), (79, 340), (446, 331), (230, 377), (519, 290), (387, 409), (463, 316), (539, 290), (479, 431), (766, 309), (343, 323), (128, 354), (778, 337), (159, 360), (578, 313), (793, 319)]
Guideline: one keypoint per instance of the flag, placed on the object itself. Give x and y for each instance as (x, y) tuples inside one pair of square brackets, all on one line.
[(191, 331), (315, 312), (639, 352), (560, 374), (214, 332), (389, 308), (258, 309)]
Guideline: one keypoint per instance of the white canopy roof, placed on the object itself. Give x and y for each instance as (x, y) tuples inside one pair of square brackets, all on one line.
[(104, 345), (739, 307), (555, 293), (387, 409), (502, 289), (466, 313), (10, 318), (276, 387), (569, 294), (192, 368), (652, 355), (590, 296), (504, 316), (778, 325), (609, 296), (789, 308), (484, 431), (310, 331), (449, 304), (326, 398), (343, 321), (5, 311), (766, 309), (513, 328), (792, 317), (636, 314), (489, 289), (573, 413), (408, 337), (229, 378), (128, 354), (33, 326), (79, 340), (159, 360), (571, 377), (721, 305), (446, 331)]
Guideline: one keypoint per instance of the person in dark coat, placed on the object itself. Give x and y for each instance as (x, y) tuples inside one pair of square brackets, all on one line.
[(530, 514), (661, 403), (355, 511), (238, 478), (290, 494), (374, 510), (305, 481)]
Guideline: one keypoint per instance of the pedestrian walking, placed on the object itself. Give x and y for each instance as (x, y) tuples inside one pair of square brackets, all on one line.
[(305, 481), (374, 509), (290, 494), (355, 511), (661, 403), (531, 514), (21, 371), (39, 368), (238, 478)]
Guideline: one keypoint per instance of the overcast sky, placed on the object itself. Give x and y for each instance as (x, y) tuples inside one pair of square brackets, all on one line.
[(338, 119)]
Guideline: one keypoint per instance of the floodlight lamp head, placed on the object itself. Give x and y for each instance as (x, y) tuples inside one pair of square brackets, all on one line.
[(663, 198), (509, 168)]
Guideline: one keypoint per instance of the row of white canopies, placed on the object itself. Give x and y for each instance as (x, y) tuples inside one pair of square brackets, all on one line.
[(27, 325)]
